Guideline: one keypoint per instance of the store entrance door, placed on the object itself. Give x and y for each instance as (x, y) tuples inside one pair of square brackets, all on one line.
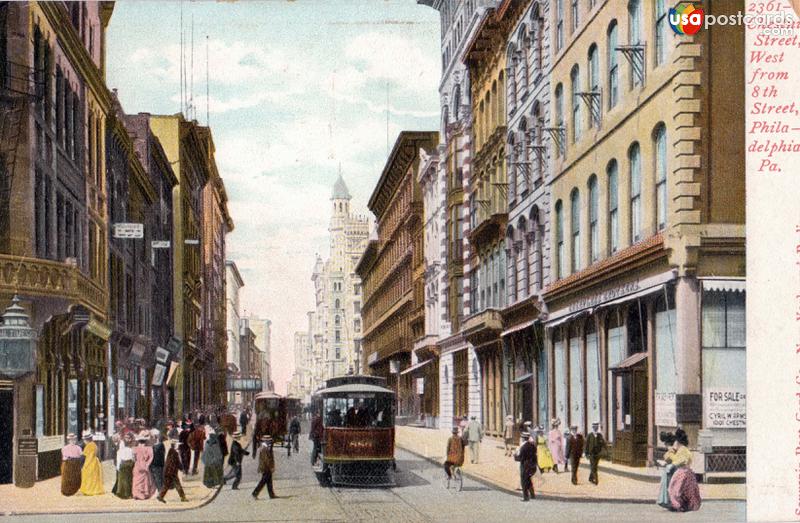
[(6, 435), (629, 380)]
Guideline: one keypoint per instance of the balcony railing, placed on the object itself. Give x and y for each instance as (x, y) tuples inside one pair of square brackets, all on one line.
[(31, 276)]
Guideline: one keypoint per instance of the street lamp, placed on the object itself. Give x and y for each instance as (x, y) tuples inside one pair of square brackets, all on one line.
[(17, 342)]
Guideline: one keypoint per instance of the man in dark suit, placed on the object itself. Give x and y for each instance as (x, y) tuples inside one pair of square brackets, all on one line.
[(235, 461), (575, 445), (266, 467), (526, 455), (595, 446)]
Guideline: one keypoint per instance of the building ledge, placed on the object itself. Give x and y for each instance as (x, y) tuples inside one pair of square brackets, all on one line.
[(427, 347), (488, 229), (483, 326)]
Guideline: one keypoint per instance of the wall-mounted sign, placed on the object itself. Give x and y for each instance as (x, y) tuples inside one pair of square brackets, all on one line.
[(160, 244), (243, 384), (174, 345), (725, 408), (190, 241), (159, 373), (665, 409), (162, 355), (128, 230)]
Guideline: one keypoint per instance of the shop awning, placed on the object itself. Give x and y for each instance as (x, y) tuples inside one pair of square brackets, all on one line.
[(568, 317), (517, 328), (634, 296), (724, 284), (631, 360), (522, 378), (415, 367)]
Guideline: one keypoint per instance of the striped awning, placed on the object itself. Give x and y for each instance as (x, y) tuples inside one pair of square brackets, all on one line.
[(724, 284)]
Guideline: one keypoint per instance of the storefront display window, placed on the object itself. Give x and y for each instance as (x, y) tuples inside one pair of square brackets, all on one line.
[(592, 374), (576, 378), (616, 354), (561, 379)]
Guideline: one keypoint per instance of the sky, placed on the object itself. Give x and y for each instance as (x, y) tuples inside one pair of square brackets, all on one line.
[(296, 89)]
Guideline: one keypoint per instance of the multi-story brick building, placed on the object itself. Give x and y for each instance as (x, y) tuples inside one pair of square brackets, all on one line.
[(392, 270), (53, 226)]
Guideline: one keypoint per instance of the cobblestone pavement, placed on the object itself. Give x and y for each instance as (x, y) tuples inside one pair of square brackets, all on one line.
[(420, 495)]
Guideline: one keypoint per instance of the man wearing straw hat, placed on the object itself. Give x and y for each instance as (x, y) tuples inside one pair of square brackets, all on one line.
[(266, 467)]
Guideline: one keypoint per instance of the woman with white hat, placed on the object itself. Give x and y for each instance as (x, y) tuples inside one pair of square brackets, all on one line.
[(92, 471), (125, 461), (143, 487), (555, 442)]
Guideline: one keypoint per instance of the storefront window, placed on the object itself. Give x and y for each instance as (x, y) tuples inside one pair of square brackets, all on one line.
[(72, 407), (561, 379), (541, 371), (616, 353), (576, 378), (592, 373), (724, 364)]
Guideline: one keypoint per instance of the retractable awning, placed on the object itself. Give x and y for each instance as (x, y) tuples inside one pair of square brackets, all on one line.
[(415, 367), (517, 328), (724, 284), (634, 296)]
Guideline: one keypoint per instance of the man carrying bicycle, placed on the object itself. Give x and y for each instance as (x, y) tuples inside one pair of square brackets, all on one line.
[(455, 453)]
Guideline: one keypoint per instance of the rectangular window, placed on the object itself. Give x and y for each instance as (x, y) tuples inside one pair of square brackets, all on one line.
[(661, 178), (661, 32), (613, 68), (559, 25), (594, 236)]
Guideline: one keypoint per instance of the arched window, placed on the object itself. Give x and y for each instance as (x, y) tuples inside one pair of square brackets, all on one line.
[(660, 32), (634, 33), (538, 30), (660, 146), (559, 112), (613, 66), (524, 145), (575, 79), (560, 261), (613, 206), (575, 229), (512, 158), (537, 124), (635, 163), (457, 103), (594, 211), (537, 235), (594, 84), (511, 64), (524, 50), (512, 273), (523, 254), (575, 15)]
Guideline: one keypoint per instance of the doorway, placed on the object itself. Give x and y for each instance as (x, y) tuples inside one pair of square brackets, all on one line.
[(6, 436), (629, 382)]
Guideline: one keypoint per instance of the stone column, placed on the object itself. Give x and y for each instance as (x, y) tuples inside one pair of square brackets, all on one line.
[(687, 357)]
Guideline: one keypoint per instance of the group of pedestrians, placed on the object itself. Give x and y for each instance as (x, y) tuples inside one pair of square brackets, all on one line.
[(149, 459)]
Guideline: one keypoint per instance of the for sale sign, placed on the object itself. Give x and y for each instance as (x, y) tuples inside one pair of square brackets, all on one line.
[(725, 408)]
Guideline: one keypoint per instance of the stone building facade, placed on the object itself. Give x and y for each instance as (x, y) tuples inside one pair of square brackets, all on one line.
[(646, 302), (233, 309)]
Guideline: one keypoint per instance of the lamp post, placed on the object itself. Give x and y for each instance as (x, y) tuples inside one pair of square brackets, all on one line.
[(17, 360)]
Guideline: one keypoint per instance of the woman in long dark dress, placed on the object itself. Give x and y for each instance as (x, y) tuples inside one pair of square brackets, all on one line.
[(125, 462), (213, 462)]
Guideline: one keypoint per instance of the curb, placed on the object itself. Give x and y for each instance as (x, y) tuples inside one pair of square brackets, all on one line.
[(551, 497)]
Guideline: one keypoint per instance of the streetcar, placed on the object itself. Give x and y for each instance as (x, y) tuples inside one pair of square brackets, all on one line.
[(357, 448), (273, 414)]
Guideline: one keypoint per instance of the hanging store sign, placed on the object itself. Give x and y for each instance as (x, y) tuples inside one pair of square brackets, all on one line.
[(160, 244), (725, 408), (98, 329), (174, 346), (129, 230), (665, 409), (159, 373), (162, 355)]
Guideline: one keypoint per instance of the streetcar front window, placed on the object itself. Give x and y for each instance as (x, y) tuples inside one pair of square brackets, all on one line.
[(362, 410)]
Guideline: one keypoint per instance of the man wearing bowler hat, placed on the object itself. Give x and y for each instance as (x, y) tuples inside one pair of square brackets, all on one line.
[(595, 446), (266, 467)]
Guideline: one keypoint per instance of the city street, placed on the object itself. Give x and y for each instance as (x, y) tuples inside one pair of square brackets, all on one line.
[(420, 495)]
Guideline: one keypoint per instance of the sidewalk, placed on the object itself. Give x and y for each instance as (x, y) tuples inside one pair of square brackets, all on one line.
[(503, 472), (45, 497)]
